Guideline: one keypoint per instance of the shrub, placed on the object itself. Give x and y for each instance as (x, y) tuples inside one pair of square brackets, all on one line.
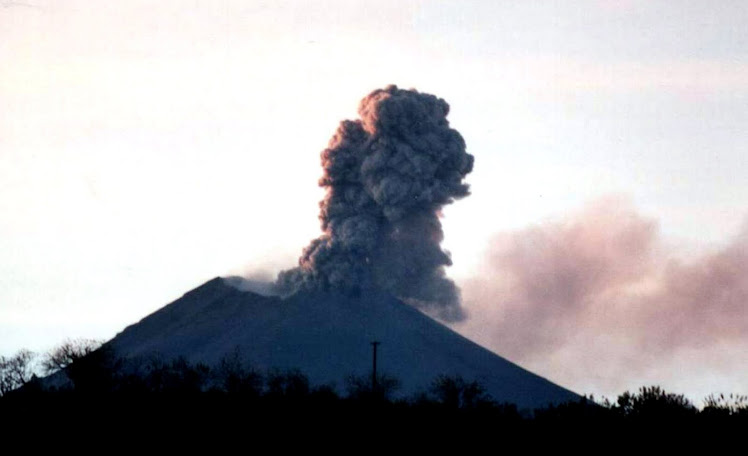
[(652, 402)]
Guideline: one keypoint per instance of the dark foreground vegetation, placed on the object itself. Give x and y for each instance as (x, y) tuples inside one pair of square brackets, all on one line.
[(90, 387)]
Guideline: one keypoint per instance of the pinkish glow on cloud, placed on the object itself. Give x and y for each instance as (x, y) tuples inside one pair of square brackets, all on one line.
[(601, 289)]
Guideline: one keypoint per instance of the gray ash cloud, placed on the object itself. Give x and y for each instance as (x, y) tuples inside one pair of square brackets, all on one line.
[(387, 176)]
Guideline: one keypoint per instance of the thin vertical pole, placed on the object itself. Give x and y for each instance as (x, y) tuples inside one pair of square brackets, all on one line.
[(374, 367)]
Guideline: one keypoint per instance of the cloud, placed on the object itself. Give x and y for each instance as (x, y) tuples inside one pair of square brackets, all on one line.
[(600, 293)]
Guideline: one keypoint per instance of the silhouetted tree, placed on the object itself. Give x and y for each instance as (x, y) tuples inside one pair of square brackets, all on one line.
[(291, 384), (725, 406), (360, 387), (95, 372), (457, 393), (234, 377), (68, 352), (15, 371), (584, 411), (177, 376), (652, 402)]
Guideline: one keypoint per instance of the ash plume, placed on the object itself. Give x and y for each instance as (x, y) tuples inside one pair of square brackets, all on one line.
[(601, 292), (387, 177)]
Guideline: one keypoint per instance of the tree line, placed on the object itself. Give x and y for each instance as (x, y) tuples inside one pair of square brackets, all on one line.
[(84, 375)]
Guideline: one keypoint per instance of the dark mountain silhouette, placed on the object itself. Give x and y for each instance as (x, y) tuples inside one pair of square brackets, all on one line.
[(327, 337)]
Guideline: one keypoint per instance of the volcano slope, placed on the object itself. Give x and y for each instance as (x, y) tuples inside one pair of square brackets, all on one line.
[(327, 337)]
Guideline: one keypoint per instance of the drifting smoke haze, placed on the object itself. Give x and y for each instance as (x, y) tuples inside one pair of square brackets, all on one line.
[(600, 294), (387, 177)]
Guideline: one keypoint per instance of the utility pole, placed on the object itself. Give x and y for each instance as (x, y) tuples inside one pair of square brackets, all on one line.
[(374, 367)]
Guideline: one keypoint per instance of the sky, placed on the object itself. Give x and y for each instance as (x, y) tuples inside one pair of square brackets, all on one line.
[(147, 147)]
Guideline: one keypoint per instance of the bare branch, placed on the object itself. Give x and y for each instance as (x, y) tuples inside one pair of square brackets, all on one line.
[(68, 352), (16, 371)]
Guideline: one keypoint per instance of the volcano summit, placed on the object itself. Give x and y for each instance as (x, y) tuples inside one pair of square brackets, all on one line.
[(327, 336), (371, 275)]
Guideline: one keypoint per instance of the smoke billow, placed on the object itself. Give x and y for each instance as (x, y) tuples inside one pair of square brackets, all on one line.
[(600, 292), (259, 282), (387, 177)]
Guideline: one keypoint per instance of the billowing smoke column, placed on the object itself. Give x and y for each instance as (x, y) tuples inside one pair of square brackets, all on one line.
[(387, 177)]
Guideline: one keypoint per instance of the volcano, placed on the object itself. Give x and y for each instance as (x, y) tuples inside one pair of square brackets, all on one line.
[(328, 337)]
